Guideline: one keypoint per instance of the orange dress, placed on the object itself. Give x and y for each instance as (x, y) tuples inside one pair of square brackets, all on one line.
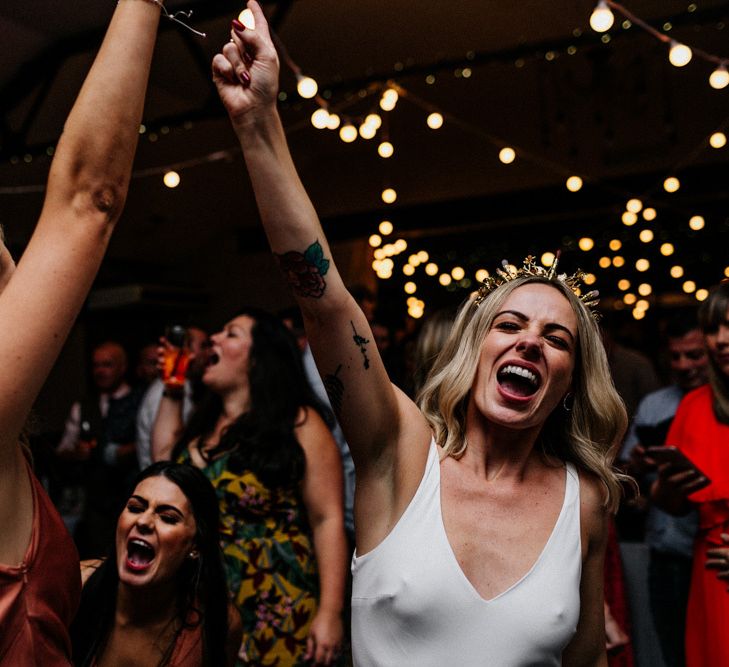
[(39, 597), (697, 433)]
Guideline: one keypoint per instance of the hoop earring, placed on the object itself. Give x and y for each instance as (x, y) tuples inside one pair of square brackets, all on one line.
[(568, 402)]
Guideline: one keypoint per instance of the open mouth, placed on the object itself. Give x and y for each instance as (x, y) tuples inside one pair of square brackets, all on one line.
[(140, 554), (213, 358), (518, 381)]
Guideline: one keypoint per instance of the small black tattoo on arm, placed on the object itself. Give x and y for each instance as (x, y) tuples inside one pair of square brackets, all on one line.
[(305, 271), (335, 390), (361, 343)]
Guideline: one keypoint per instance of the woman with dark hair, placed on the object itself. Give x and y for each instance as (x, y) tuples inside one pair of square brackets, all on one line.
[(701, 431), (260, 438), (40, 300), (160, 597)]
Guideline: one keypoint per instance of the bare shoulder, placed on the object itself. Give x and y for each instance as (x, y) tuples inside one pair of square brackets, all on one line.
[(88, 567), (594, 514), (312, 431)]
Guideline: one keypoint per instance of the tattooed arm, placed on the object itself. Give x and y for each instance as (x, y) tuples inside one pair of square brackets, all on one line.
[(387, 434)]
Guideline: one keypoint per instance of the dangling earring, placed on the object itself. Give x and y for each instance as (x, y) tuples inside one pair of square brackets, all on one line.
[(568, 402)]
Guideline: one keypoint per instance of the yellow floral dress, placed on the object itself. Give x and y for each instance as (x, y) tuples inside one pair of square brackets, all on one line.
[(269, 562)]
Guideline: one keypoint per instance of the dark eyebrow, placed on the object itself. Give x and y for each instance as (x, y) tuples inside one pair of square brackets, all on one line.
[(159, 508), (524, 318)]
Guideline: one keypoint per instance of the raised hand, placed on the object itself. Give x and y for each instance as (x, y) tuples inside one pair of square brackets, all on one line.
[(246, 72)]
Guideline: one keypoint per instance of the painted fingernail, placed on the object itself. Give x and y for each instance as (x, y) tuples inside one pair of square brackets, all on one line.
[(245, 79), (237, 25)]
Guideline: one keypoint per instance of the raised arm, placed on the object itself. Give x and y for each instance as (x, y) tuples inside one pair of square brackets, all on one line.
[(86, 190), (380, 423)]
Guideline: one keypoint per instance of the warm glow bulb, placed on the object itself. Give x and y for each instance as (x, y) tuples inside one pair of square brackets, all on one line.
[(374, 119), (615, 245), (644, 289), (586, 243), (306, 86), (623, 284), (547, 259), (726, 272), (444, 279), (642, 265), (604, 262), (458, 273), (375, 240), (646, 235), (389, 99), (634, 205), (717, 140), (638, 314), (247, 19), (676, 271), (507, 155), (385, 227), (410, 288), (401, 245), (408, 269), (689, 286), (348, 133), (719, 77), (431, 268), (389, 195), (642, 304), (333, 121), (385, 149), (482, 274), (696, 223), (171, 179), (618, 261), (671, 184), (601, 18), (320, 119), (367, 131), (629, 219), (379, 253), (679, 54), (649, 214), (629, 299), (423, 256), (667, 249), (573, 183), (590, 278), (435, 121), (701, 294)]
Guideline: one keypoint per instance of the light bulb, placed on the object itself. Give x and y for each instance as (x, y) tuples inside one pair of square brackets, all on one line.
[(410, 288), (644, 289), (507, 155), (431, 268), (482, 274), (547, 260), (642, 265), (696, 223), (618, 261), (586, 243), (171, 179), (374, 120), (385, 149), (604, 262), (348, 133), (457, 272), (638, 314), (615, 245), (701, 294), (408, 269), (602, 18), (689, 286), (320, 119), (717, 140), (676, 271), (375, 240), (401, 245), (389, 99), (719, 77), (634, 205), (590, 279), (628, 218), (423, 256), (444, 279), (435, 121), (623, 284), (667, 249), (679, 54), (649, 214), (385, 227), (367, 131), (306, 86), (671, 184), (333, 121), (646, 235), (389, 195), (573, 183)]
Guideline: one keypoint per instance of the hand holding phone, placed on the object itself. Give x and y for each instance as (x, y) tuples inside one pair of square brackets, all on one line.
[(678, 469)]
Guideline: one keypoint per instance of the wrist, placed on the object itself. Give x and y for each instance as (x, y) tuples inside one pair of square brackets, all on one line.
[(257, 123)]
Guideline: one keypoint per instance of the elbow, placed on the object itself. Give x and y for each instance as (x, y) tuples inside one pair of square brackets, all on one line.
[(102, 201)]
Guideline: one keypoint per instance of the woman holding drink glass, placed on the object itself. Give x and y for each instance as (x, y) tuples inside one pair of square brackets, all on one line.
[(87, 186), (481, 517), (260, 439)]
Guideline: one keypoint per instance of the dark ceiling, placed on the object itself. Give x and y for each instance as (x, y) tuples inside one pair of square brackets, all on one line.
[(531, 75)]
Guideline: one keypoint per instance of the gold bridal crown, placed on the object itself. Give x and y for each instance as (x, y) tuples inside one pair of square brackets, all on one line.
[(509, 272)]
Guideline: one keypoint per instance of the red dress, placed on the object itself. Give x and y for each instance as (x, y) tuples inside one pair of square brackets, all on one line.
[(39, 597), (697, 433)]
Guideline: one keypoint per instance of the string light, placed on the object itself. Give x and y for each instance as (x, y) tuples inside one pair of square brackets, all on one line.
[(623, 284), (348, 133), (649, 214), (333, 122), (374, 120), (547, 260), (702, 294), (642, 304), (171, 179), (444, 279), (604, 262), (590, 278), (389, 195), (389, 98), (306, 86), (410, 288), (375, 240), (689, 286), (507, 155), (482, 274), (679, 54), (367, 131), (615, 245), (642, 265), (385, 149), (458, 273), (386, 227), (629, 299), (717, 140), (638, 314), (408, 269), (586, 243), (671, 184), (602, 18), (573, 183), (435, 121), (431, 268), (719, 77), (696, 223), (726, 272), (401, 245), (634, 205), (618, 261), (644, 289), (676, 271), (667, 249), (629, 219), (423, 256), (646, 235), (320, 119)]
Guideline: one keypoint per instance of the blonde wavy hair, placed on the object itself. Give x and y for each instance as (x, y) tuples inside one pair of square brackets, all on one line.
[(588, 435)]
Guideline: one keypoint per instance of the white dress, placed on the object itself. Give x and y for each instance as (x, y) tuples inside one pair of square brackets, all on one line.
[(413, 605)]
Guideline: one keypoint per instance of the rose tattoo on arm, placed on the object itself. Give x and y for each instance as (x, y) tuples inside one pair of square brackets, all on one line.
[(305, 271)]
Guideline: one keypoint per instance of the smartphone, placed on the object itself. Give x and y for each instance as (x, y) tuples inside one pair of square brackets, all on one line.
[(653, 436), (677, 459)]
